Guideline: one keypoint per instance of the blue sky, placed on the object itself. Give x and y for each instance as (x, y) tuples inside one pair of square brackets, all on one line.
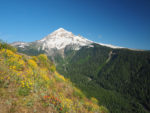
[(118, 22)]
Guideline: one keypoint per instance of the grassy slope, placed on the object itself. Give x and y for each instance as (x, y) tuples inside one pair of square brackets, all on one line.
[(31, 84)]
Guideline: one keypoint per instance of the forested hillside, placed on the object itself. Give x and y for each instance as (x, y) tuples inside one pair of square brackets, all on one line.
[(118, 78)]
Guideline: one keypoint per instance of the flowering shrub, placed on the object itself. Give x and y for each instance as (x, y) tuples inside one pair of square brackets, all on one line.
[(60, 76), (53, 100), (27, 84), (43, 60), (13, 60), (16, 64), (4, 45), (92, 107), (67, 104), (52, 68), (94, 100), (43, 73), (35, 58), (32, 63)]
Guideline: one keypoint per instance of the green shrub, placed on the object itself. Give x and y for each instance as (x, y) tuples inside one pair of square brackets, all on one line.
[(94, 100), (4, 45), (43, 59), (23, 91), (52, 68)]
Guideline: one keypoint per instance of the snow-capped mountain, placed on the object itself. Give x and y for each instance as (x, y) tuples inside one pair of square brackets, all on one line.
[(61, 38), (57, 42)]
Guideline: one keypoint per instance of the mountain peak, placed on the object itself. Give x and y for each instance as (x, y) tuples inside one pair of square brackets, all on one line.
[(61, 38), (60, 30)]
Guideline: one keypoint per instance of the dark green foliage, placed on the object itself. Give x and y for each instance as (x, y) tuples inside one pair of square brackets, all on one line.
[(121, 84), (4, 45), (88, 61), (129, 74)]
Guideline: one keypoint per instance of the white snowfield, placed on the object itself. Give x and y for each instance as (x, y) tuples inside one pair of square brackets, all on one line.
[(109, 45), (20, 44)]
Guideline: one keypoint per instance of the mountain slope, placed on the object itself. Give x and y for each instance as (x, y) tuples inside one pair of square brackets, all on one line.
[(118, 77), (31, 84), (55, 43)]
